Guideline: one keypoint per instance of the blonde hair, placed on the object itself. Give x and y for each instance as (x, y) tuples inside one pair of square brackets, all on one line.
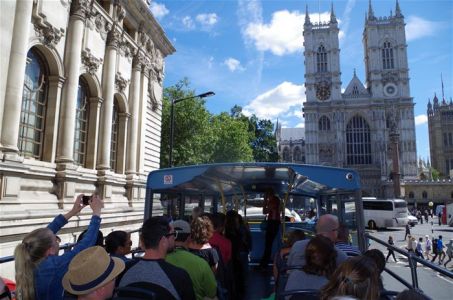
[(357, 277), (28, 255), (201, 230)]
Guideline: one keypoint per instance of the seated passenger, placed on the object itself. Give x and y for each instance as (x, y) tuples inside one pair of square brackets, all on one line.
[(218, 239), (411, 295), (280, 259), (91, 274), (204, 282), (200, 232), (343, 242), (379, 259), (320, 263), (152, 272), (356, 277), (99, 238), (118, 244), (326, 226)]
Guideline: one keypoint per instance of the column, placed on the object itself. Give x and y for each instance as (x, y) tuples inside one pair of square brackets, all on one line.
[(15, 77), (108, 90), (134, 104), (93, 132), (73, 59), (144, 96)]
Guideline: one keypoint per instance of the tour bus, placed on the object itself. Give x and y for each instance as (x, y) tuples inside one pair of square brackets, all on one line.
[(380, 213)]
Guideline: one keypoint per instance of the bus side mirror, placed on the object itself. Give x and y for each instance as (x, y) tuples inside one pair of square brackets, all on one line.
[(349, 176)]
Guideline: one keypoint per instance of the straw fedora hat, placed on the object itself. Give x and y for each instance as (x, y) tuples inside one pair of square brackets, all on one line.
[(91, 269)]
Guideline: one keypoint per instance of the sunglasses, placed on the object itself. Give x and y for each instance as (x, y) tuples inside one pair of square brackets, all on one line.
[(174, 233)]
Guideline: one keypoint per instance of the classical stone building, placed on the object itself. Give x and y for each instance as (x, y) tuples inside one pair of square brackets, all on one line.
[(290, 144), (367, 127), (440, 124), (80, 104)]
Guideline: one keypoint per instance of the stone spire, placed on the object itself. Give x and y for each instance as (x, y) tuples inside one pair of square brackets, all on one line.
[(370, 11), (398, 10), (333, 18), (307, 17)]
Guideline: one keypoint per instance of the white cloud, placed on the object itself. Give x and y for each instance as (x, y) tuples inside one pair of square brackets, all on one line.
[(207, 20), (283, 35), (159, 10), (276, 101), (188, 22), (418, 27), (233, 64), (300, 125), (421, 119)]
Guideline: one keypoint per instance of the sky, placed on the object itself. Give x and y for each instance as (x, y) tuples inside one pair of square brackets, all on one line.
[(250, 52)]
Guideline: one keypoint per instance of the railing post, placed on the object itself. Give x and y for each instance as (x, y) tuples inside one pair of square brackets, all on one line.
[(413, 266)]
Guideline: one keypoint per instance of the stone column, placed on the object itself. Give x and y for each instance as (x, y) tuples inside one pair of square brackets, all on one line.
[(134, 104), (93, 132), (73, 59), (108, 90), (145, 94), (15, 77)]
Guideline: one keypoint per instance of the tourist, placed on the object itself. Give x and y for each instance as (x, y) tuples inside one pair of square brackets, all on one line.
[(390, 242), (39, 269), (449, 252), (428, 247), (118, 244), (201, 231), (271, 208), (343, 244), (91, 274)]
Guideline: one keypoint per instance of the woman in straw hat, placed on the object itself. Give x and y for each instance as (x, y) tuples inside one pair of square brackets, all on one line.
[(39, 269), (91, 274)]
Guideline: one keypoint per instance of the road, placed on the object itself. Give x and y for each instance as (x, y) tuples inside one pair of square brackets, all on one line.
[(436, 286)]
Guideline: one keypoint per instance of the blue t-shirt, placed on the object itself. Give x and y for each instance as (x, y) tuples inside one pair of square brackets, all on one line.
[(440, 245)]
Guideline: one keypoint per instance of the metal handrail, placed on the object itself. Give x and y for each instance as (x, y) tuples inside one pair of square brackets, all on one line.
[(413, 260), (66, 247)]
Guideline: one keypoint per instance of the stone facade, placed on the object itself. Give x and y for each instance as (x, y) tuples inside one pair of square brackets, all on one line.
[(80, 104), (421, 192), (290, 144), (440, 124), (353, 129)]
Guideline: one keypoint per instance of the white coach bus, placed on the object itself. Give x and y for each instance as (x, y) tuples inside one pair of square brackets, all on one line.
[(384, 213)]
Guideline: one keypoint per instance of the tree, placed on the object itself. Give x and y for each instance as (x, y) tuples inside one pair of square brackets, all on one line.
[(231, 140), (192, 142)]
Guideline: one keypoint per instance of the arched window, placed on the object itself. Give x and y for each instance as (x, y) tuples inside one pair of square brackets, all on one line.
[(34, 106), (355, 90), (424, 195), (286, 154), (114, 137), (358, 142), (81, 123), (411, 195), (321, 59), (387, 56), (297, 154), (324, 123)]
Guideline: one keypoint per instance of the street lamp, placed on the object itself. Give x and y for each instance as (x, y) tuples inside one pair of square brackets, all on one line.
[(172, 120)]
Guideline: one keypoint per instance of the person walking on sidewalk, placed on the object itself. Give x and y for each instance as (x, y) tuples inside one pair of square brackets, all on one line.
[(408, 231), (449, 252), (419, 248), (390, 242), (428, 246)]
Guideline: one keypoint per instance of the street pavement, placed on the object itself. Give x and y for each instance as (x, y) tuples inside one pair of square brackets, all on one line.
[(433, 284)]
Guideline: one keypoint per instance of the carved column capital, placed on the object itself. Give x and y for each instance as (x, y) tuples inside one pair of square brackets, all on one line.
[(80, 8), (138, 61), (120, 82), (113, 38), (91, 62), (49, 35)]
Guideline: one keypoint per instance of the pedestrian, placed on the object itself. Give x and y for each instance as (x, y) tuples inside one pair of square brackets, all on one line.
[(432, 227), (449, 252), (419, 249), (439, 218), (408, 231), (390, 242), (440, 249), (410, 246), (435, 252), (428, 246)]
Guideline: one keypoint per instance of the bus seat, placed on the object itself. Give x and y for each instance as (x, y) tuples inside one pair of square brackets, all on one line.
[(306, 294)]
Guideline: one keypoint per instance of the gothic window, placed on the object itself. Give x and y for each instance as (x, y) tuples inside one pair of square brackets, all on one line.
[(297, 154), (358, 142), (324, 123), (355, 90), (114, 136), (411, 195), (81, 123), (387, 56), (34, 105), (321, 59), (286, 154), (425, 195)]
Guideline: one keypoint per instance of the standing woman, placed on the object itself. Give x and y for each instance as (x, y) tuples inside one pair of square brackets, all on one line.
[(39, 269), (390, 242), (271, 208), (428, 246)]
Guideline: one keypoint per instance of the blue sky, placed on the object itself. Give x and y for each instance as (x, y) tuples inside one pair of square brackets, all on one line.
[(250, 52)]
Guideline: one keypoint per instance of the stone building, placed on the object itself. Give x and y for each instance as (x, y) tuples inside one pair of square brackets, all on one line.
[(290, 144), (366, 127), (80, 104), (440, 124)]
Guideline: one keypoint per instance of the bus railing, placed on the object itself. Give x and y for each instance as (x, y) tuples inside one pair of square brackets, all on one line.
[(66, 247), (413, 260)]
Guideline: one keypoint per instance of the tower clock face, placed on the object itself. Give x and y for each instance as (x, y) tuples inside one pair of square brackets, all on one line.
[(323, 91)]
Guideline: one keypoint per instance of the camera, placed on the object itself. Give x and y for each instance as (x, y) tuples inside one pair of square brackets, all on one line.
[(86, 200)]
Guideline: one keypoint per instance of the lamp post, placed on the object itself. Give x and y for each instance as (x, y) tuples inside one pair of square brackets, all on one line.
[(172, 120)]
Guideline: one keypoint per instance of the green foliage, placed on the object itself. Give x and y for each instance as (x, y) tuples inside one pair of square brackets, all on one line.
[(200, 137), (435, 174)]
